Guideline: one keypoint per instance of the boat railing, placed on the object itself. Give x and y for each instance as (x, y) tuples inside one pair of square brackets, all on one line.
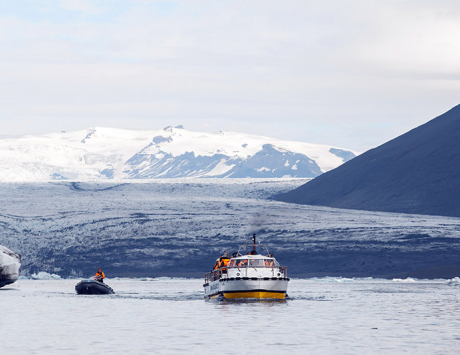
[(214, 275), (281, 271)]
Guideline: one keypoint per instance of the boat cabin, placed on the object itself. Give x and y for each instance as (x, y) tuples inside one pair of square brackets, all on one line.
[(251, 264), (252, 260)]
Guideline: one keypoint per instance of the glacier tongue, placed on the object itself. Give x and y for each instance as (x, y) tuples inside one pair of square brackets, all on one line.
[(177, 227)]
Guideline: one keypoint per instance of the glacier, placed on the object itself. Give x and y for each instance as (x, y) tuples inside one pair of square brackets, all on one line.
[(101, 154), (177, 227)]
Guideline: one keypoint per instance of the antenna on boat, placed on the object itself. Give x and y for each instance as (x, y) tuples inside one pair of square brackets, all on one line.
[(254, 243)]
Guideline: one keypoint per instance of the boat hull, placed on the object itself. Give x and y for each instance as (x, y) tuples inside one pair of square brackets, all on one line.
[(254, 295), (91, 287), (247, 288)]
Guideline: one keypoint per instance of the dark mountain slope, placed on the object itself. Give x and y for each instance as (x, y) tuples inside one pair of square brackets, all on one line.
[(417, 172)]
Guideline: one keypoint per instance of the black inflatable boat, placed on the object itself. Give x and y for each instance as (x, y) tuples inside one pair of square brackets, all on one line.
[(92, 287)]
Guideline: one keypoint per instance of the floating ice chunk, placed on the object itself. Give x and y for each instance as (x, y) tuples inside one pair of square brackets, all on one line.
[(42, 275), (333, 279), (454, 282), (147, 279), (404, 280)]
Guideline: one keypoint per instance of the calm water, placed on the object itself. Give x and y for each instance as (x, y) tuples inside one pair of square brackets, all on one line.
[(167, 316)]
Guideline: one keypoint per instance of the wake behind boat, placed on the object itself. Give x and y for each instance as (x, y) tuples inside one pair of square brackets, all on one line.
[(10, 263), (250, 276), (93, 287)]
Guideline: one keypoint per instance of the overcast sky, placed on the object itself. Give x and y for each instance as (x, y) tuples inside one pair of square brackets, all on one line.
[(349, 73)]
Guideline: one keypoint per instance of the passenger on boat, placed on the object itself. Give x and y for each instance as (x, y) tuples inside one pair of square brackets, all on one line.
[(268, 262), (222, 261), (99, 275), (243, 262)]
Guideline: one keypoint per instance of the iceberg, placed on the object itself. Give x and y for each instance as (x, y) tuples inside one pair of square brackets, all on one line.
[(10, 263), (409, 279), (42, 275)]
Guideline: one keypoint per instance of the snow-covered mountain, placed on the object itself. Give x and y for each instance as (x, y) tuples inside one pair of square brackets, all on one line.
[(107, 153)]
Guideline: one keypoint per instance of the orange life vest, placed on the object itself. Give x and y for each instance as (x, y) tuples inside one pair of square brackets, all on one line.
[(216, 265), (224, 262)]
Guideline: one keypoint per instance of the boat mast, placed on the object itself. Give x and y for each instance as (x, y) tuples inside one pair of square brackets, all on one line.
[(254, 243)]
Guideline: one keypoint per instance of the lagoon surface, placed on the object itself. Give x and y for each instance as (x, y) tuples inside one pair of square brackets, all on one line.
[(169, 316)]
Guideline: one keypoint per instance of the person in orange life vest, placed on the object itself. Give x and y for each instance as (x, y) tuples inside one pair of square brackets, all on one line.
[(99, 275), (216, 265), (223, 263), (224, 260)]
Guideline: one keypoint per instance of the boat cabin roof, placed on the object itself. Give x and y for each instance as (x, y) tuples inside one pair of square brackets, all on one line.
[(249, 256)]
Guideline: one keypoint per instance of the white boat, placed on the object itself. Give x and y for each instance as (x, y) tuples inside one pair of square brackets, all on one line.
[(10, 263), (247, 276)]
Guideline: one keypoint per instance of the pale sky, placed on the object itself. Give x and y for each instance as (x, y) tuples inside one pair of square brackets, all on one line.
[(348, 73)]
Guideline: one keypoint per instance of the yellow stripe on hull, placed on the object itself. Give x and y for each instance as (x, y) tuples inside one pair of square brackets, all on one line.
[(255, 294)]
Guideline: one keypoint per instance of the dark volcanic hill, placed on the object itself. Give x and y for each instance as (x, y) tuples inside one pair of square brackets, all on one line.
[(417, 172)]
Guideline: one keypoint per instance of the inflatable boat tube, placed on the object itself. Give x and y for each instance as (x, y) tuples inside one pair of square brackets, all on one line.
[(92, 287)]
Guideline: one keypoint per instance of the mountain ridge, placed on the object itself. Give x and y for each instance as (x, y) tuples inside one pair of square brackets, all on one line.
[(101, 153), (417, 172)]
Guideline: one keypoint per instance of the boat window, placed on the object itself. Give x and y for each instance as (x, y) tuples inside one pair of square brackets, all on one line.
[(232, 263), (269, 262), (242, 262), (255, 262)]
